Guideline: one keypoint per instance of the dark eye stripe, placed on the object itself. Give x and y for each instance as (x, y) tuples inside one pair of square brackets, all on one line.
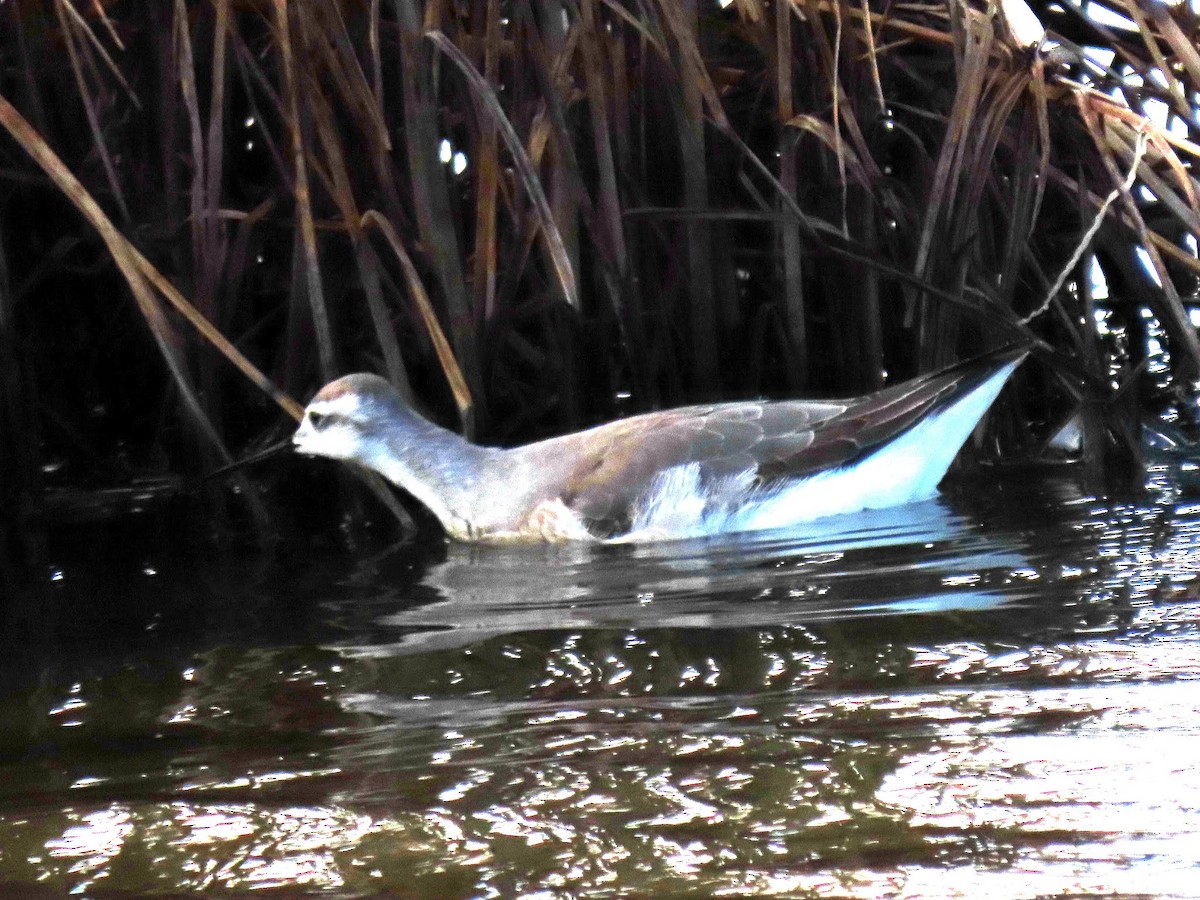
[(318, 420)]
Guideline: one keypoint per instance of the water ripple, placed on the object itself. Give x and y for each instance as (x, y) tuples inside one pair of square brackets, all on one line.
[(988, 696)]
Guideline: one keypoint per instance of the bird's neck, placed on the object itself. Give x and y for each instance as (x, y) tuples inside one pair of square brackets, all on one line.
[(439, 468)]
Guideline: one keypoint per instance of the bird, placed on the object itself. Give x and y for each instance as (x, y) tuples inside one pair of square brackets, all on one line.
[(689, 472)]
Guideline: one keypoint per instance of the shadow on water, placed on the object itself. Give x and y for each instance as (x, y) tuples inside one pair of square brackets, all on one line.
[(990, 695)]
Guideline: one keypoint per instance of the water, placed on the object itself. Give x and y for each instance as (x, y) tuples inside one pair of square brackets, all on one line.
[(992, 695)]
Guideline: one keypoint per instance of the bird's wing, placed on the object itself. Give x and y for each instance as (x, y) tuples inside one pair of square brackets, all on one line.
[(607, 469), (613, 466), (870, 422)]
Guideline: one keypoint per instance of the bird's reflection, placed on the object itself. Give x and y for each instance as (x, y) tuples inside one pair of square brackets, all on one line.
[(922, 557)]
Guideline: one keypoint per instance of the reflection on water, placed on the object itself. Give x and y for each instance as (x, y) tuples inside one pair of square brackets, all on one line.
[(988, 696)]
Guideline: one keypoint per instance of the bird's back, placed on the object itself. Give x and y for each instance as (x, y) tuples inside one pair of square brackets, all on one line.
[(701, 460)]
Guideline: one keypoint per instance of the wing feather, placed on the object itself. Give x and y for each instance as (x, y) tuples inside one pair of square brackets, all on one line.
[(603, 472), (617, 463)]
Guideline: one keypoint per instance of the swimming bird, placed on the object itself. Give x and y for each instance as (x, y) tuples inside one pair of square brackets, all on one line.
[(689, 472)]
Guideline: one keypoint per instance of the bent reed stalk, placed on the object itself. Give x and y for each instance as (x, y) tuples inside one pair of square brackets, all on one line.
[(595, 206)]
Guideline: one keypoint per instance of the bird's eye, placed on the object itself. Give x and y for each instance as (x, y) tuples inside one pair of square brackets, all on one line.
[(318, 420)]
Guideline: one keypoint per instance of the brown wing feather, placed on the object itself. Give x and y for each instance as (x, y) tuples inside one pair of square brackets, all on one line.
[(605, 470), (870, 422), (617, 463)]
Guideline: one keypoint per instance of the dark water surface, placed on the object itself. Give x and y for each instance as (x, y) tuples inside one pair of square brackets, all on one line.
[(986, 696)]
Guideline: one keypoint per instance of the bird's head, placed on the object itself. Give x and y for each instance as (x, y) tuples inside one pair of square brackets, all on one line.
[(350, 419)]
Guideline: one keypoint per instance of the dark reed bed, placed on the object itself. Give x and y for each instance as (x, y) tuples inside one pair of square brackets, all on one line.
[(537, 215)]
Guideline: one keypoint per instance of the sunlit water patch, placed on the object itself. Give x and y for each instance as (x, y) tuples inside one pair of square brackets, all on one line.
[(989, 696)]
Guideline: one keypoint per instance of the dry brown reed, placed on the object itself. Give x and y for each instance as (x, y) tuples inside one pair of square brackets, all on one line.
[(581, 201)]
